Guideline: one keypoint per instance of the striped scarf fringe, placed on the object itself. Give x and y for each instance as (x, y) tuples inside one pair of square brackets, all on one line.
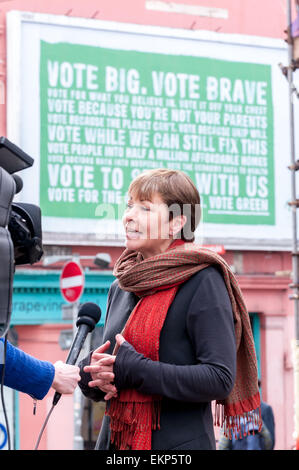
[(131, 423), (230, 417)]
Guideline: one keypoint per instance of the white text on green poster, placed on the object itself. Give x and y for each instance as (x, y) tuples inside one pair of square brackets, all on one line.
[(108, 114)]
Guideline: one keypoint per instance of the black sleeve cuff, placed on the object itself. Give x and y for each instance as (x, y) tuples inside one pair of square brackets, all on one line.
[(126, 366)]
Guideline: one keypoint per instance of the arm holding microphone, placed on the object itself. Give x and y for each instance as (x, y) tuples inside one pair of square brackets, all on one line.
[(33, 376), (88, 316)]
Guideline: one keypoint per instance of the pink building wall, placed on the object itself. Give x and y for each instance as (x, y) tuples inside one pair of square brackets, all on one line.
[(42, 342), (264, 276), (269, 297)]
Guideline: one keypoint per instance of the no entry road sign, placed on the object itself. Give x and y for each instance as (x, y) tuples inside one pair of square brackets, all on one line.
[(72, 281)]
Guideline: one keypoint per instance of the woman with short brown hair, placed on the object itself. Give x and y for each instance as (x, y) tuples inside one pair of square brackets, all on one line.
[(177, 332), (177, 191)]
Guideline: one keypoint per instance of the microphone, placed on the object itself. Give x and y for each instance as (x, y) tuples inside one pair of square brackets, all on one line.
[(88, 316)]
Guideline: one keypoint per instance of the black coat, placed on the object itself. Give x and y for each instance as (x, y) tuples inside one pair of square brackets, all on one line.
[(197, 361)]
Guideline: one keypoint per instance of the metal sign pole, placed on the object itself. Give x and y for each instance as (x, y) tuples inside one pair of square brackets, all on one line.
[(294, 205), (77, 397)]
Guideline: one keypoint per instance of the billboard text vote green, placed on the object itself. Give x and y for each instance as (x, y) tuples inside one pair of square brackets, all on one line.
[(108, 114)]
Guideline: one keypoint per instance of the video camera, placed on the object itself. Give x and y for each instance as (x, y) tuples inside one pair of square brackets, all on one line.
[(20, 226)]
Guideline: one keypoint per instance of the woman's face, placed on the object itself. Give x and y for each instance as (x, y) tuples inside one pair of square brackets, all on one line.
[(147, 226)]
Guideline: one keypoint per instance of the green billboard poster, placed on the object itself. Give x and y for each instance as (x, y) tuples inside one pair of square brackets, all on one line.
[(108, 114)]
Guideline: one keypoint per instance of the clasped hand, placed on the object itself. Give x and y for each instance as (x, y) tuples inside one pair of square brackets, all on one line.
[(101, 368)]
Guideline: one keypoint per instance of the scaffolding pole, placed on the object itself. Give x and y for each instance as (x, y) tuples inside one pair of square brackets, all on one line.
[(294, 205)]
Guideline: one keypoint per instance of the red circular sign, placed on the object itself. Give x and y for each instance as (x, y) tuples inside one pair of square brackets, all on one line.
[(72, 281)]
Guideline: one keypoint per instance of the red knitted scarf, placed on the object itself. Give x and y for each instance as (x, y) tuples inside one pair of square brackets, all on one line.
[(134, 415)]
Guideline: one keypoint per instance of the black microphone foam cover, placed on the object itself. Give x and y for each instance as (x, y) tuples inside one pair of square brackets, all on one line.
[(89, 314)]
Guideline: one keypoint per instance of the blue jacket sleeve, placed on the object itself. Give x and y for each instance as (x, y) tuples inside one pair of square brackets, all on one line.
[(25, 373)]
